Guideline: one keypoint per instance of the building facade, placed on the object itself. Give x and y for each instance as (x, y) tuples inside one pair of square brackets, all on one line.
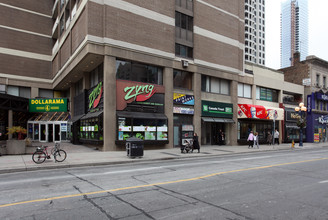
[(255, 31), (264, 99), (158, 71), (293, 31), (313, 74)]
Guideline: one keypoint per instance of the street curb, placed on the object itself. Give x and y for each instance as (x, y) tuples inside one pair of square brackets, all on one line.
[(136, 160)]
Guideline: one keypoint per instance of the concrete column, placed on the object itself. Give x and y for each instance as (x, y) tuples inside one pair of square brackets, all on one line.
[(34, 92), (71, 99), (168, 83), (253, 94), (233, 127), (10, 122), (198, 105), (109, 117)]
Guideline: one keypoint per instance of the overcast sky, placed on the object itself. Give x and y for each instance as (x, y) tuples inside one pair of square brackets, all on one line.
[(318, 31)]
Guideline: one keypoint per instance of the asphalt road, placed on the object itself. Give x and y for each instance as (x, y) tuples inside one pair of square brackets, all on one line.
[(267, 185)]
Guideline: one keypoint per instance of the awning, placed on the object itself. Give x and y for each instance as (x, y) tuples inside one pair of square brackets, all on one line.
[(140, 115), (220, 120), (75, 118), (92, 115)]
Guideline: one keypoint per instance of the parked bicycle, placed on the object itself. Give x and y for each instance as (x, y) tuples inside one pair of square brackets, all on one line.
[(41, 154)]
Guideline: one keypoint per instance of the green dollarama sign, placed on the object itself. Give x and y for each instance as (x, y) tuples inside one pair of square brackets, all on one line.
[(48, 105)]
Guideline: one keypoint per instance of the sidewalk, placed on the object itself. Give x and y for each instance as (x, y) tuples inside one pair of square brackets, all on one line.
[(78, 156)]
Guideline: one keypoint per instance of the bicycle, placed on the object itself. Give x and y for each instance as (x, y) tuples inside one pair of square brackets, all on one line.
[(41, 154)]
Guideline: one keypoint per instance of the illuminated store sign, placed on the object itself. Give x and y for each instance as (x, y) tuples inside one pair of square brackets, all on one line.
[(95, 96), (48, 105)]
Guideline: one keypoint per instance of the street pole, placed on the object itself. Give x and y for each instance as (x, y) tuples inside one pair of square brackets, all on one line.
[(274, 127), (301, 130)]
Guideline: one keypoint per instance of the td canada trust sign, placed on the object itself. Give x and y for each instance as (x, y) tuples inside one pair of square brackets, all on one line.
[(48, 105)]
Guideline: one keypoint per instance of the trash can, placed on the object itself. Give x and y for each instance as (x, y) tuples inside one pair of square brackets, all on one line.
[(134, 147)]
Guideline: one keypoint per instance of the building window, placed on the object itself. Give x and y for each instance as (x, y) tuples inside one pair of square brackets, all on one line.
[(183, 51), (244, 90), (266, 94), (19, 91), (324, 82), (139, 72), (96, 75), (182, 80), (317, 80), (2, 88), (79, 87), (215, 85), (184, 21), (46, 93)]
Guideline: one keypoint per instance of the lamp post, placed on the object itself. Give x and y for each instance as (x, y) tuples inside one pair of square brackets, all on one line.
[(301, 123)]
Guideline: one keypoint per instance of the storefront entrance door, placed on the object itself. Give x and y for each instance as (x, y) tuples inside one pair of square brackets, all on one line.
[(57, 132), (50, 132), (43, 132)]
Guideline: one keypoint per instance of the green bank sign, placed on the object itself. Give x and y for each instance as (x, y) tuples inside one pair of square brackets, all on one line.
[(48, 105), (217, 109)]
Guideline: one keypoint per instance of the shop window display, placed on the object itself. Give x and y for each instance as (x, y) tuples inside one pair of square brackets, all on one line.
[(145, 129)]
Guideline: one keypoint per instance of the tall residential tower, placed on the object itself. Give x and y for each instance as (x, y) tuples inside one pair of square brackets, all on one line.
[(294, 30), (255, 31)]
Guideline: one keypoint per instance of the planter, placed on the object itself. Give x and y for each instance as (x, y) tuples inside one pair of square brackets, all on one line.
[(3, 150), (16, 146)]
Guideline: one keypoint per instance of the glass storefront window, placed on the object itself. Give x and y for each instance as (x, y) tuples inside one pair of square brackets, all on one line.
[(145, 129)]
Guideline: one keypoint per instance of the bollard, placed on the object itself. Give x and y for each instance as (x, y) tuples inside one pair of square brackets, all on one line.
[(293, 144)]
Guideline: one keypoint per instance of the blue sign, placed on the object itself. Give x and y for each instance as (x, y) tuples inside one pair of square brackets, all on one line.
[(321, 96)]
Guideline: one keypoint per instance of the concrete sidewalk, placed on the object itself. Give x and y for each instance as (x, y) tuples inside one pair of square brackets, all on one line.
[(78, 156)]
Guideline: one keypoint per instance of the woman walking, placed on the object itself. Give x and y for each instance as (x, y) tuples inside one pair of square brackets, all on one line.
[(250, 140), (195, 144), (269, 138)]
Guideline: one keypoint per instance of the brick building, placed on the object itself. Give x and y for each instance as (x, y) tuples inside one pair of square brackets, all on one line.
[(313, 73), (128, 68)]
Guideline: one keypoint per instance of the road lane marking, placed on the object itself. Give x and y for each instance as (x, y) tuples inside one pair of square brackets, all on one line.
[(160, 183), (325, 181), (24, 181)]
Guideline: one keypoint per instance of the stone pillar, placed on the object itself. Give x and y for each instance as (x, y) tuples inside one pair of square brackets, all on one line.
[(34, 92), (109, 116), (10, 122), (233, 127), (71, 99), (253, 94), (168, 83), (197, 120)]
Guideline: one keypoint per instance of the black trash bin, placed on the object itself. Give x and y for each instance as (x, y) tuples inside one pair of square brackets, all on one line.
[(134, 147)]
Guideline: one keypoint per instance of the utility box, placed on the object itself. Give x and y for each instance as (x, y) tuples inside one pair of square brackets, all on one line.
[(134, 147)]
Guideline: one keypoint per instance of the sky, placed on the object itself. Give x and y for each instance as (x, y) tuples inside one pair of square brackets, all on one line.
[(318, 31)]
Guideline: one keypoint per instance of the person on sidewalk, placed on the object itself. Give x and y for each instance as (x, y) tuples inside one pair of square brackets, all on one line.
[(276, 137), (221, 137), (256, 140), (250, 140), (195, 144), (269, 138)]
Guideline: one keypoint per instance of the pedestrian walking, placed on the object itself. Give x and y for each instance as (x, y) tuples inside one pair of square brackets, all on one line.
[(250, 140), (221, 137), (269, 138), (276, 137), (256, 140), (195, 144)]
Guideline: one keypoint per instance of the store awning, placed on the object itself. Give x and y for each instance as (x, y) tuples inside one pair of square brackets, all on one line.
[(76, 118), (219, 120), (141, 115), (92, 115)]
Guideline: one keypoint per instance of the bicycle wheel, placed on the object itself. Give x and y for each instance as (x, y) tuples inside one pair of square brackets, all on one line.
[(39, 157), (60, 155)]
